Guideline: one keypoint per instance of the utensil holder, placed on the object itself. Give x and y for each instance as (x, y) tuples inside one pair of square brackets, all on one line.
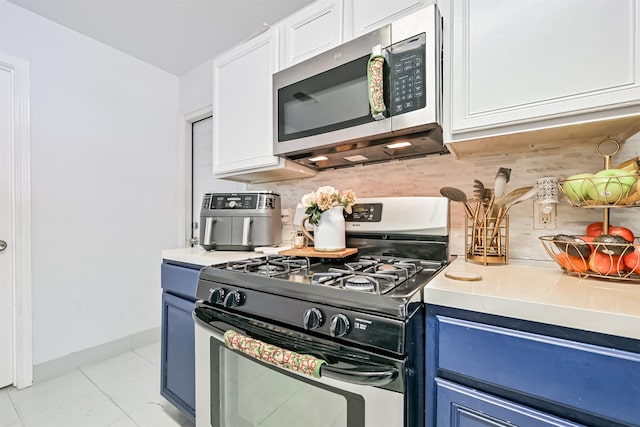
[(487, 237)]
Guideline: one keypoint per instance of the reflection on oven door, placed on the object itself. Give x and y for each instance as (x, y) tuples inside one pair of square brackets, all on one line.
[(254, 395), (234, 390)]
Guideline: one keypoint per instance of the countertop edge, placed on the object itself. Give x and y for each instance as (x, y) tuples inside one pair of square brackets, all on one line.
[(617, 324)]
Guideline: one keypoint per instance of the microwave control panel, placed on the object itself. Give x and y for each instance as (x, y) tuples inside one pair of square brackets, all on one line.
[(407, 75), (216, 201)]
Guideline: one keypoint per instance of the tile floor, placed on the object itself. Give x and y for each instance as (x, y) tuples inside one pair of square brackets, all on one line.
[(118, 392)]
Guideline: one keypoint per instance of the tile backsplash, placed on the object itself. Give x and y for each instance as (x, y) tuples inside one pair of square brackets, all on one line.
[(425, 177)]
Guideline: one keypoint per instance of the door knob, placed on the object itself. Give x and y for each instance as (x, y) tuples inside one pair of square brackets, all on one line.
[(3, 245)]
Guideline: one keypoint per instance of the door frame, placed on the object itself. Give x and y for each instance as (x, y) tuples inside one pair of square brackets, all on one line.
[(21, 280), (185, 150)]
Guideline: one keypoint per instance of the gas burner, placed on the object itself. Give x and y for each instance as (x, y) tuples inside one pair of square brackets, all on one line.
[(360, 283), (268, 270)]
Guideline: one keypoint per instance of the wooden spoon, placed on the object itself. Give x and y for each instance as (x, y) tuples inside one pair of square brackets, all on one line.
[(507, 202)]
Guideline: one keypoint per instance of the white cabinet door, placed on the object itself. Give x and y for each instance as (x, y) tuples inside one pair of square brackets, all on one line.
[(312, 30), (522, 62), (369, 15), (243, 124)]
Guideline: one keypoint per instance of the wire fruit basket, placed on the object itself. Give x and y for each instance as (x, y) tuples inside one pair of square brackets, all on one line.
[(622, 190), (583, 258), (610, 187), (603, 256)]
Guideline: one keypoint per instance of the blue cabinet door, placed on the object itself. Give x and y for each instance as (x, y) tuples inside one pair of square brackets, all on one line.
[(460, 406), (178, 353)]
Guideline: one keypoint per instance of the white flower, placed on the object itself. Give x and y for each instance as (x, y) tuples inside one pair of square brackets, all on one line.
[(309, 199), (323, 199)]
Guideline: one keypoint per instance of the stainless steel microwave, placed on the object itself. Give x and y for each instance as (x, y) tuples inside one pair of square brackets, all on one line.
[(326, 114)]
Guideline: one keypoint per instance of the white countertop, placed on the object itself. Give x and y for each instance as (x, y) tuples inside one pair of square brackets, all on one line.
[(199, 256), (530, 290), (541, 292)]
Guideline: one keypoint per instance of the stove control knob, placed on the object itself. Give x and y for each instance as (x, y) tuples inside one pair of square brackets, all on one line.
[(339, 325), (313, 318), (233, 299), (232, 204), (216, 296)]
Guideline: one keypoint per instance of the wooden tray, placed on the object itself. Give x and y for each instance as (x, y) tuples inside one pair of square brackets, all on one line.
[(312, 253)]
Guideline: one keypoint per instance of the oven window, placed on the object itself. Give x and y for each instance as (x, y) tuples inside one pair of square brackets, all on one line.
[(246, 393)]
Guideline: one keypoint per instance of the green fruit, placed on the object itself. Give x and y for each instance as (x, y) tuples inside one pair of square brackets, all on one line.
[(610, 185), (575, 187)]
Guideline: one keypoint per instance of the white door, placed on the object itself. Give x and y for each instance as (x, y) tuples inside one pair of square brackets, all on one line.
[(202, 171), (6, 229)]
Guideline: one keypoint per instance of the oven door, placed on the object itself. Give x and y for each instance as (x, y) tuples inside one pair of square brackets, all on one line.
[(233, 389)]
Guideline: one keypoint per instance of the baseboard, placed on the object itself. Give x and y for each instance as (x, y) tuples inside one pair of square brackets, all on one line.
[(63, 365)]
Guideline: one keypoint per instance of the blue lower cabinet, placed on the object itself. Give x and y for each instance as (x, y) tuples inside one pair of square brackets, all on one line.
[(178, 342), (485, 370), (178, 355), (460, 406)]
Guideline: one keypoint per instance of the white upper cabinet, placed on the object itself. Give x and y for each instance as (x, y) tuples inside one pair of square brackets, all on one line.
[(514, 66), (242, 113), (369, 15), (312, 30)]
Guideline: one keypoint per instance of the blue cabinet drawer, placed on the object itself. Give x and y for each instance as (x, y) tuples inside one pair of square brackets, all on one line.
[(179, 280), (460, 406), (586, 377)]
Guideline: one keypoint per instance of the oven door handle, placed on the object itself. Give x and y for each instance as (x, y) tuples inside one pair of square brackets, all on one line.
[(371, 376), (367, 375)]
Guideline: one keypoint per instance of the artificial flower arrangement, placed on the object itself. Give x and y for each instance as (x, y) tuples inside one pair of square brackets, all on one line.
[(325, 198)]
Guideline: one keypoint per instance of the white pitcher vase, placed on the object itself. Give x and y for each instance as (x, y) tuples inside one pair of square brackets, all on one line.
[(329, 234)]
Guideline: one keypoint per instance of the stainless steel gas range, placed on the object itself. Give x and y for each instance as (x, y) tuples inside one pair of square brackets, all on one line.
[(322, 342)]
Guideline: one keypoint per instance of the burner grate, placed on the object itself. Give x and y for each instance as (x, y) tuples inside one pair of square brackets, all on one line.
[(270, 266)]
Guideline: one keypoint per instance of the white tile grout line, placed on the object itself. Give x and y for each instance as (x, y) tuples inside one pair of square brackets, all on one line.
[(15, 408), (108, 397)]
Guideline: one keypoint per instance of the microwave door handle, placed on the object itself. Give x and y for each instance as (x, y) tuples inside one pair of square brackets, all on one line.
[(375, 83), (246, 227)]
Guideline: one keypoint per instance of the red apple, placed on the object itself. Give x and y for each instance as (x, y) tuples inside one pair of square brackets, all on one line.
[(595, 229), (632, 260), (588, 239), (605, 264), (623, 232)]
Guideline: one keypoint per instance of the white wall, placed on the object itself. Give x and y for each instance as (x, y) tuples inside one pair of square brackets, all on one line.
[(196, 88), (104, 132)]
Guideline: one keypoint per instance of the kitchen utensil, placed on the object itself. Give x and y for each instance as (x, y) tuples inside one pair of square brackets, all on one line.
[(478, 189), (483, 198), (457, 195), (507, 202), (502, 177)]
